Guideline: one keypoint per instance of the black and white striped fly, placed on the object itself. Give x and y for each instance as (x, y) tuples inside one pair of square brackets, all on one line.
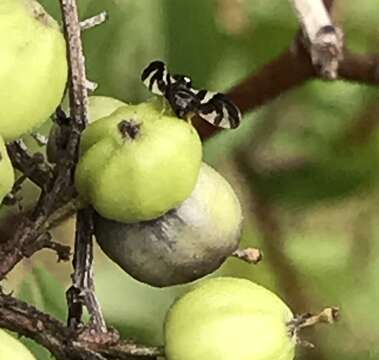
[(185, 101)]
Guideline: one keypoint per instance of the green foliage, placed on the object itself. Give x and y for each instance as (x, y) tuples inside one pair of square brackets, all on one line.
[(326, 209), (41, 289)]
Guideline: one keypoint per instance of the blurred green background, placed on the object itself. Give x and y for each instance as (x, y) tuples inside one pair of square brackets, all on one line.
[(305, 166)]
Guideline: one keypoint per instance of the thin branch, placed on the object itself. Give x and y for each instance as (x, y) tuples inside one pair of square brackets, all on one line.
[(34, 225), (359, 68), (124, 349), (60, 215), (324, 40), (29, 165), (77, 89), (63, 251), (62, 189), (93, 21), (63, 342), (82, 290), (361, 129), (45, 241), (289, 70), (40, 240)]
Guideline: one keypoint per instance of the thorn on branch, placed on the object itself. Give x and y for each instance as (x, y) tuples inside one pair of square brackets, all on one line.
[(91, 86), (40, 139), (93, 21)]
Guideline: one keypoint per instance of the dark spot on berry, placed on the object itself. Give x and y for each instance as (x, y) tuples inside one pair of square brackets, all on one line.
[(129, 128)]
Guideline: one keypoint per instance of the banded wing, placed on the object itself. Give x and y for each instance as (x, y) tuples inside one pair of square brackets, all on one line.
[(156, 78), (218, 109)]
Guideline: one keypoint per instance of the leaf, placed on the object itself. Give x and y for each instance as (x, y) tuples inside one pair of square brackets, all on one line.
[(42, 290)]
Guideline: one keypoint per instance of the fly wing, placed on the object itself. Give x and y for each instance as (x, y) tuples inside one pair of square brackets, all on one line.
[(218, 110), (231, 113), (156, 78)]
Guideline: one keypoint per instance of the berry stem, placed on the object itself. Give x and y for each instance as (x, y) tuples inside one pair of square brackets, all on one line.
[(328, 315), (249, 255)]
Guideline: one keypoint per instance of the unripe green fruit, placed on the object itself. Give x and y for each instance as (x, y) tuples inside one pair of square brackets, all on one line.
[(11, 348), (138, 163), (184, 244), (6, 171), (98, 107), (33, 68), (229, 319), (102, 106)]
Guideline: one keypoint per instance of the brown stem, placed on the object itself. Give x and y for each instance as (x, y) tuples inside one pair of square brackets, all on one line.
[(39, 173), (77, 89), (62, 189), (290, 69), (62, 341), (45, 241), (82, 290), (360, 68)]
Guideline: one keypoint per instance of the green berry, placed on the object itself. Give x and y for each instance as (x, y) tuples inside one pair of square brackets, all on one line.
[(10, 348), (184, 244), (138, 163), (98, 107), (33, 68), (6, 171), (229, 319), (102, 106)]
